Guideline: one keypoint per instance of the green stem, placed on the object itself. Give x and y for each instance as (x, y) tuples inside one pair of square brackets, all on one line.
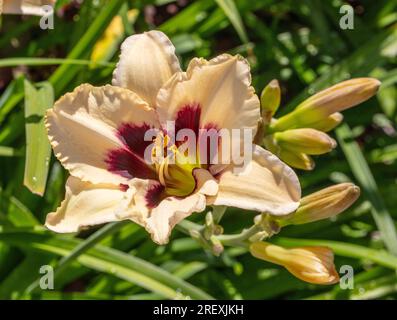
[(187, 226), (218, 212), (239, 239)]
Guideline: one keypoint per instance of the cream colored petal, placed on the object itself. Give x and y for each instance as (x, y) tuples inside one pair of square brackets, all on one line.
[(171, 211), (28, 7), (222, 89), (85, 205), (82, 128), (160, 220), (135, 205), (266, 185), (147, 61), (205, 183)]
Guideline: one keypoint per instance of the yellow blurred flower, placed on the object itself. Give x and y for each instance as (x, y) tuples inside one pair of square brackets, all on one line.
[(108, 45)]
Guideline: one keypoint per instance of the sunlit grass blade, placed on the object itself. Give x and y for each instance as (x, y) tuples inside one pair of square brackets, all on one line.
[(26, 61), (20, 215), (38, 150), (9, 152), (15, 283), (108, 260), (11, 96), (183, 21), (361, 281), (80, 249), (231, 11), (367, 181)]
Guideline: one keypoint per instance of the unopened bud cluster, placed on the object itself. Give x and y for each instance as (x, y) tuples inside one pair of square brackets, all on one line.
[(298, 135)]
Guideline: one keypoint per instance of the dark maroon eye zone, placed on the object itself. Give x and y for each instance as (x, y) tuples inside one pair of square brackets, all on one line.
[(128, 161), (134, 137), (188, 117), (155, 194), (207, 139)]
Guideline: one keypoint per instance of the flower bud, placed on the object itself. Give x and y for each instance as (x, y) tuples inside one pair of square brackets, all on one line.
[(296, 160), (270, 100), (337, 98), (327, 124), (309, 141), (323, 204), (310, 264)]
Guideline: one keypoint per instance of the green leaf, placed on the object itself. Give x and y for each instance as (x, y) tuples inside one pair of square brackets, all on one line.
[(11, 96), (367, 181), (26, 61), (81, 248), (230, 10), (20, 215), (15, 283), (108, 260), (61, 77), (38, 150)]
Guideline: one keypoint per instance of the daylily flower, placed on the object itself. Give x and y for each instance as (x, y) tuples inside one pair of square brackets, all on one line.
[(310, 264), (28, 7), (97, 133)]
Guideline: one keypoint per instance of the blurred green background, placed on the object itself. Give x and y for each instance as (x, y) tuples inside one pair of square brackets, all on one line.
[(301, 44)]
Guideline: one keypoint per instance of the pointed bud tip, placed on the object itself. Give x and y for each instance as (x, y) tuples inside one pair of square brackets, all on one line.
[(274, 83), (270, 100), (337, 116), (376, 82), (333, 143), (351, 187), (356, 190)]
